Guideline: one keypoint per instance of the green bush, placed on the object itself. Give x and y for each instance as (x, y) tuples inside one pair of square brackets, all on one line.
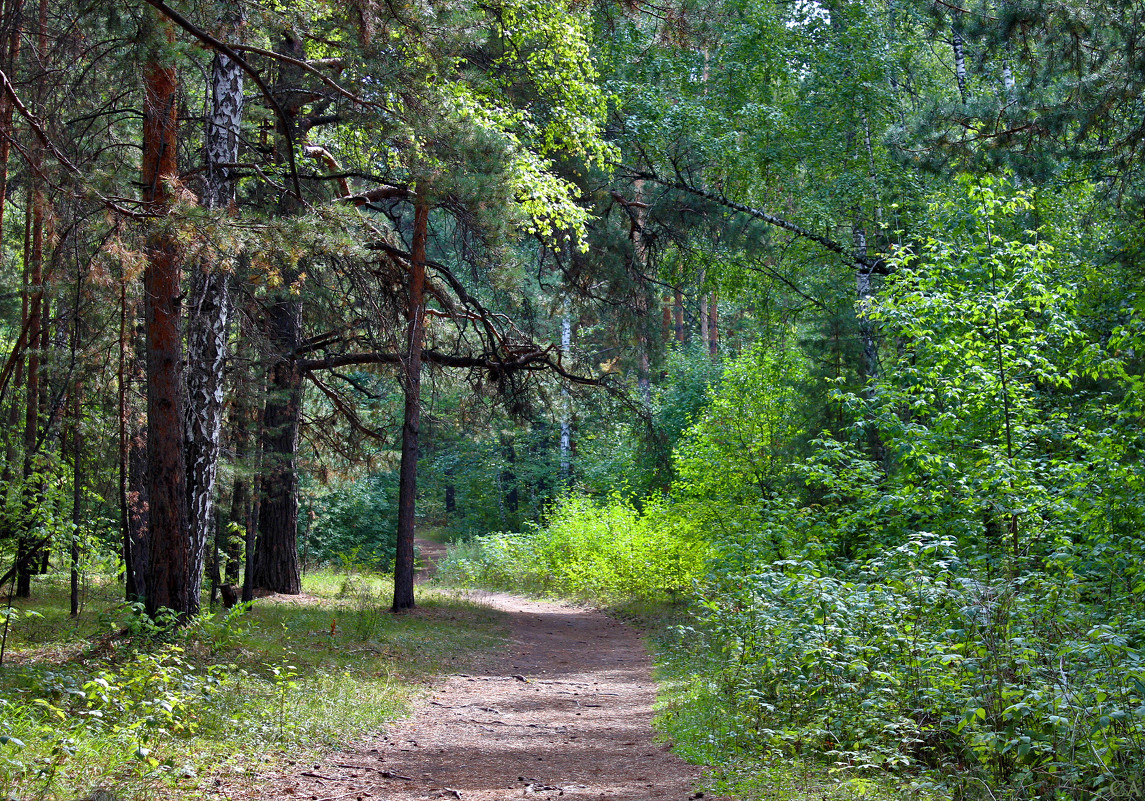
[(604, 551), (918, 659)]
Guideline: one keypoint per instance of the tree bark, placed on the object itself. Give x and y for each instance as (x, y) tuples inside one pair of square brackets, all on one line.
[(714, 327), (169, 579), (77, 492), (411, 384), (957, 45), (25, 555), (566, 408), (9, 53), (138, 540), (678, 314), (208, 317), (276, 565)]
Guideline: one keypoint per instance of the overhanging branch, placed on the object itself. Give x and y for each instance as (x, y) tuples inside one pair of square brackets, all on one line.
[(871, 265)]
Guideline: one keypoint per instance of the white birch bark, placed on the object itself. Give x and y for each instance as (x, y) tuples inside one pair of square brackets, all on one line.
[(566, 406), (208, 317), (957, 45)]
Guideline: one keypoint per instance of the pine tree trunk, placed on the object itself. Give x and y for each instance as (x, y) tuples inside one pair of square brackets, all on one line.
[(31, 501), (276, 565), (169, 578), (411, 384), (9, 53)]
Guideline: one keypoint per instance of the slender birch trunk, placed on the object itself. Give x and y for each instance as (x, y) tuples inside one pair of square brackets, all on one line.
[(957, 45), (207, 320), (566, 407)]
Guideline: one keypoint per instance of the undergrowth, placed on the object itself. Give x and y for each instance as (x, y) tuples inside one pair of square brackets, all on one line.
[(606, 552), (111, 702)]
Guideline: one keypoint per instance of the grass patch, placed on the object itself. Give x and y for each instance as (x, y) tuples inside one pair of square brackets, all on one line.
[(101, 702)]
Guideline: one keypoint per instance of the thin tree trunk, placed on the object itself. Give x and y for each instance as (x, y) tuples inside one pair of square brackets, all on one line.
[(411, 384), (208, 317), (169, 579), (959, 60), (138, 539), (77, 493), (276, 554), (566, 407), (714, 327), (870, 363), (25, 556), (9, 52), (251, 542), (678, 314)]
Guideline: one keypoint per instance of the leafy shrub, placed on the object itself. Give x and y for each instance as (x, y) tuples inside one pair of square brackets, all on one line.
[(919, 659), (605, 551)]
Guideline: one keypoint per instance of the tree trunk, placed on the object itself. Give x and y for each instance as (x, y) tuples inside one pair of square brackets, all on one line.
[(208, 316), (77, 493), (566, 408), (678, 314), (276, 550), (870, 363), (714, 327), (9, 53), (31, 501), (959, 60), (138, 542), (411, 384), (169, 580), (276, 555)]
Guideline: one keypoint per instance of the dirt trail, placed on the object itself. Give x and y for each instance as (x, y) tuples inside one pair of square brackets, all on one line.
[(565, 713)]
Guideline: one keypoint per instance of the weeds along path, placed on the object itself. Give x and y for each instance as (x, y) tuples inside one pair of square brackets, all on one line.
[(565, 713)]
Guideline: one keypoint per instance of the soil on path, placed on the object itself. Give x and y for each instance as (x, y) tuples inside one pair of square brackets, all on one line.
[(565, 713)]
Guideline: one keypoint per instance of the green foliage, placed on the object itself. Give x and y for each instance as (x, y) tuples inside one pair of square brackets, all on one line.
[(355, 523), (475, 483), (634, 457), (607, 552), (938, 593), (742, 446), (917, 658)]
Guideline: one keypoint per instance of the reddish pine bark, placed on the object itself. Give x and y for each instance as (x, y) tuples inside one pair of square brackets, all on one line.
[(168, 576), (411, 428)]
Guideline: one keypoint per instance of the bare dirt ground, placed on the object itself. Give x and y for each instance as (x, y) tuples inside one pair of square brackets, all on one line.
[(565, 713)]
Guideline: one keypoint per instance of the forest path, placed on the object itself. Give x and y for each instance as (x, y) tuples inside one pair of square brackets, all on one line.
[(565, 713)]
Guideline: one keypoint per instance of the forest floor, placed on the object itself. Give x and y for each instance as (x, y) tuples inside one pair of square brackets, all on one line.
[(566, 711)]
